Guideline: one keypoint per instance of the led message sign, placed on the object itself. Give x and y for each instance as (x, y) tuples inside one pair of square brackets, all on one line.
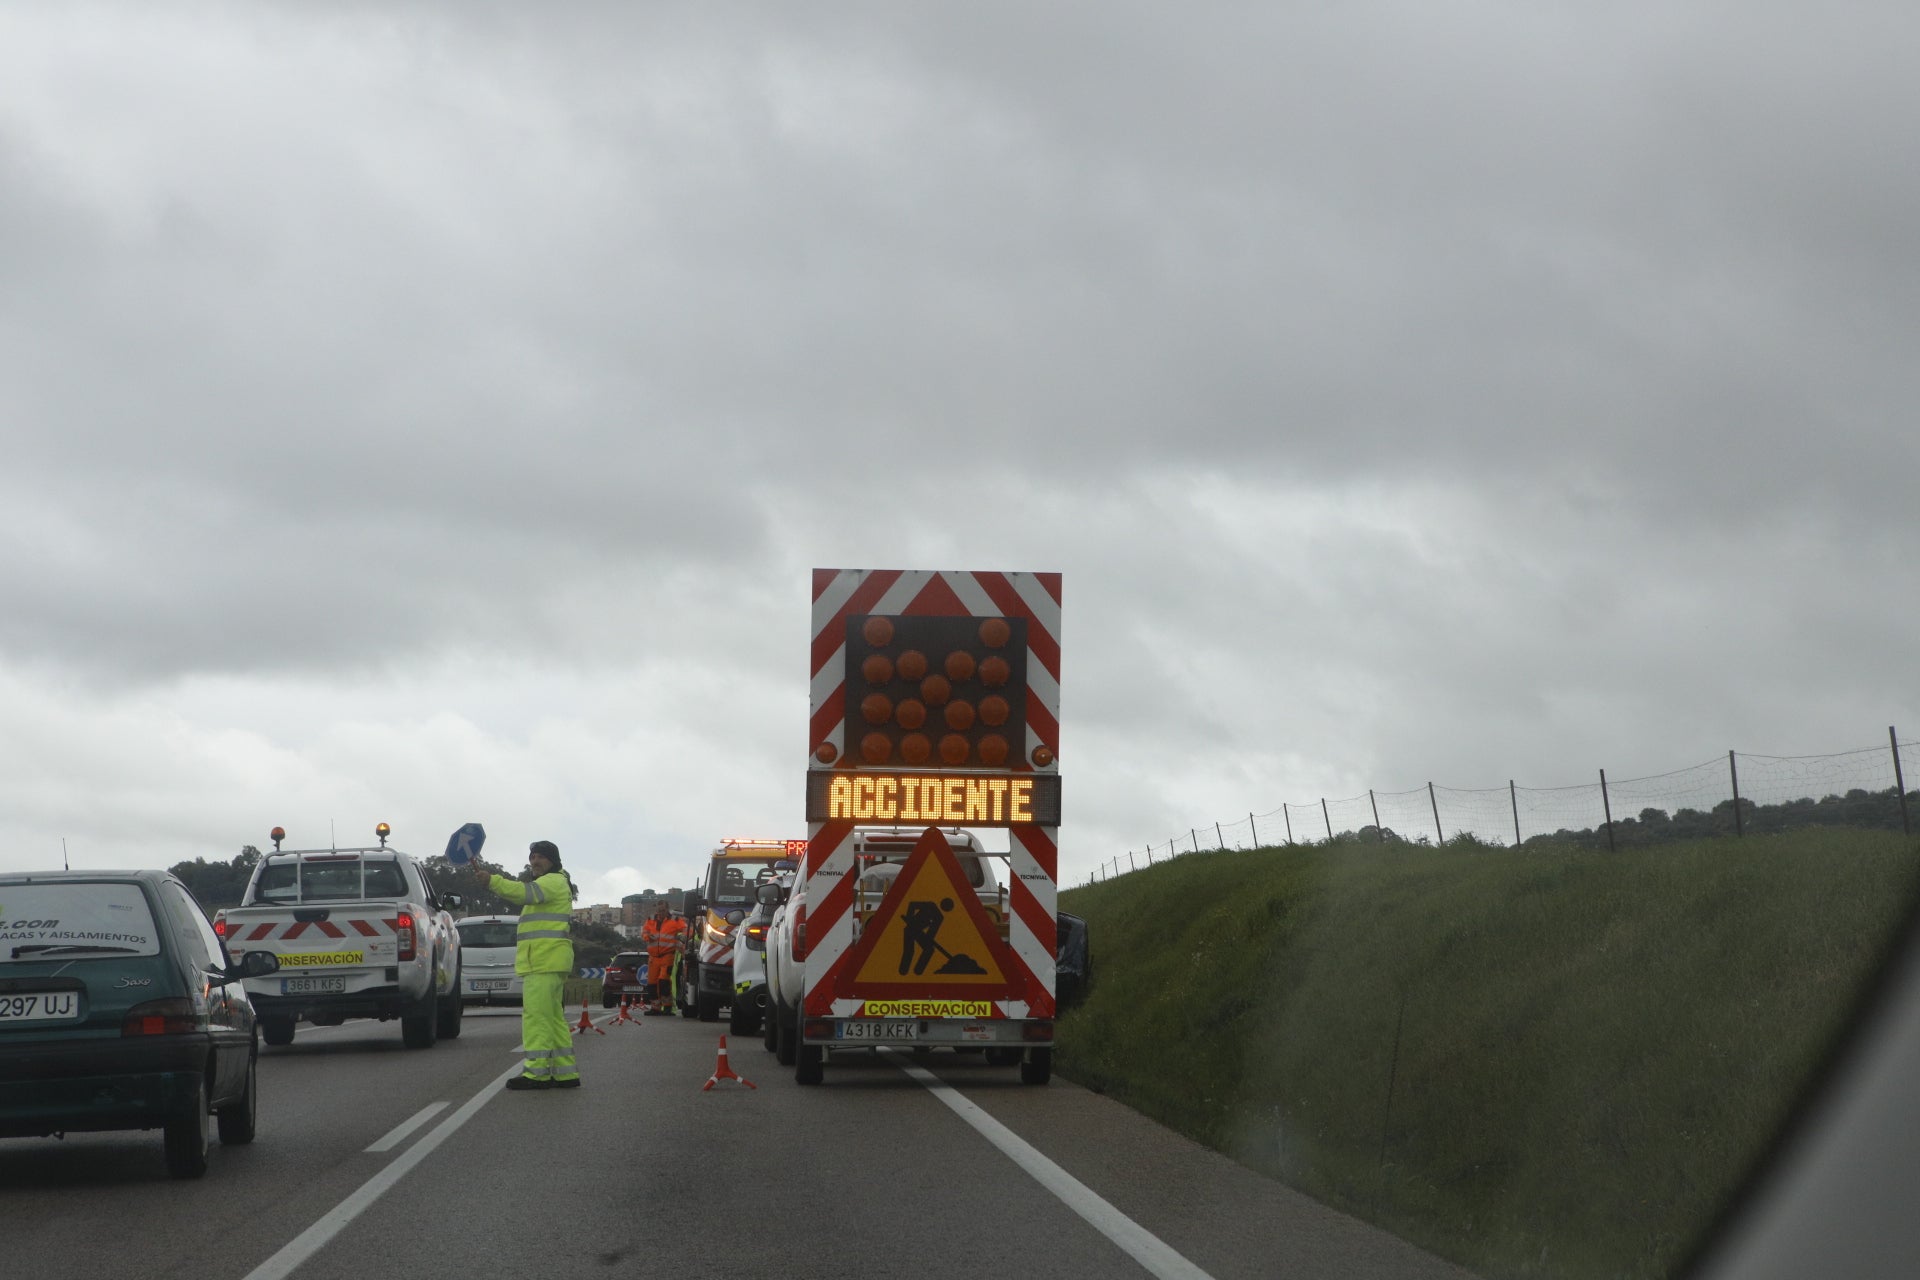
[(944, 799)]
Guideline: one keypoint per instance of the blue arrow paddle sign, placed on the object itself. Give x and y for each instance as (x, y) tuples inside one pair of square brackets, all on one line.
[(463, 846)]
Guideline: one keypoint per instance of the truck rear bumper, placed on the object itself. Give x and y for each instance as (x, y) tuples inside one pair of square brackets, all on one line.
[(953, 1033), (375, 1002)]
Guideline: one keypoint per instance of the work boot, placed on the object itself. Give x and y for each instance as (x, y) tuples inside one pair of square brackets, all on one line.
[(570, 1082), (529, 1082)]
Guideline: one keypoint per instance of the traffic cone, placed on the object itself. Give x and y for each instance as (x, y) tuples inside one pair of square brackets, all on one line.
[(724, 1072), (586, 1022), (626, 1013)]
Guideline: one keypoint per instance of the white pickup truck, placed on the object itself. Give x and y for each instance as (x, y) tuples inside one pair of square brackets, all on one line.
[(360, 933)]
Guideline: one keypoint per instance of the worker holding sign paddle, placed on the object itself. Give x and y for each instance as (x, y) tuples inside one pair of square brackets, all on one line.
[(543, 957)]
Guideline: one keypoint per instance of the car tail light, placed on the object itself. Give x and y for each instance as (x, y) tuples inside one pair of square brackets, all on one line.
[(171, 1017), (220, 923), (758, 932), (404, 933)]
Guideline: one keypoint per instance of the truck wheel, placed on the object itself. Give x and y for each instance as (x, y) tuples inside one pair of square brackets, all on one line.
[(1037, 1066), (419, 1029), (238, 1117), (276, 1031), (809, 1061), (706, 1007), (606, 1000), (185, 1135), (784, 1039), (741, 1020), (452, 1009), (770, 1030)]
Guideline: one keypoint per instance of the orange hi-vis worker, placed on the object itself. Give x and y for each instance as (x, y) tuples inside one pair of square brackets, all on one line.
[(661, 935)]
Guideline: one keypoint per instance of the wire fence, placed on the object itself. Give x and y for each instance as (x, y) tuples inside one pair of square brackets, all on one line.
[(1737, 794)]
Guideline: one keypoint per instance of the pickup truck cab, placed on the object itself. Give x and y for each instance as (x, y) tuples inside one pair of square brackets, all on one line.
[(358, 933)]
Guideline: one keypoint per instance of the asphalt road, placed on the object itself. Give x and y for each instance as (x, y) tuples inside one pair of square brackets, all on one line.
[(891, 1168)]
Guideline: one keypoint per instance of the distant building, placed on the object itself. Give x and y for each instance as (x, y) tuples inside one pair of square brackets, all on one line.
[(636, 907), (600, 914)]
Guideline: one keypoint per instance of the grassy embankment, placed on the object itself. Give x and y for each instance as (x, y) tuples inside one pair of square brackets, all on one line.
[(1536, 1063)]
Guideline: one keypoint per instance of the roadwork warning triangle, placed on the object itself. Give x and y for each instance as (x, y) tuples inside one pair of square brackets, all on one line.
[(930, 936)]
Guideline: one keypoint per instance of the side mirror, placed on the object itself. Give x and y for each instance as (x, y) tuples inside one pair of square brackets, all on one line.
[(736, 916), (769, 893), (254, 964), (453, 899)]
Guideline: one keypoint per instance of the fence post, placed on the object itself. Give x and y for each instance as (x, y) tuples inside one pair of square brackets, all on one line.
[(1149, 855), (1218, 838), (1286, 818), (1606, 807), (1514, 798), (1376, 809), (1899, 782), (1734, 769), (1253, 828), (1195, 833), (1170, 852), (1130, 863), (1442, 835), (1324, 818)]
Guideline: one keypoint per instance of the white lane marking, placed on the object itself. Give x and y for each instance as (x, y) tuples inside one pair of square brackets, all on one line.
[(1145, 1248), (315, 1237), (407, 1126)]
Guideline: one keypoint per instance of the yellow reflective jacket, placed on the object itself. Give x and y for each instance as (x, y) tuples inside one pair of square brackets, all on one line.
[(541, 942)]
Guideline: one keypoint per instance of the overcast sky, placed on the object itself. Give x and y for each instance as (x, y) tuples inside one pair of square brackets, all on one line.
[(431, 413)]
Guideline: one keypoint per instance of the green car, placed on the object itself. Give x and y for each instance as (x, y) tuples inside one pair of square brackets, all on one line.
[(119, 1009)]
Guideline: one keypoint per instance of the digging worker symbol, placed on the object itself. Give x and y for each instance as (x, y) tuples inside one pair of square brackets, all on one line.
[(920, 924)]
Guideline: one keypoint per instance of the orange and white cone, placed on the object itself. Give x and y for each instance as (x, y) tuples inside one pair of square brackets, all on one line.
[(724, 1072), (586, 1022), (626, 1013)]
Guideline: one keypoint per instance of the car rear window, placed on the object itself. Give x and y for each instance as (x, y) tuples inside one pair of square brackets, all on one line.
[(486, 933), (342, 878), (52, 921), (628, 960)]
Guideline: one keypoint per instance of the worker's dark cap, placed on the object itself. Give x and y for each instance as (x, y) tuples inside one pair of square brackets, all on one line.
[(546, 849)]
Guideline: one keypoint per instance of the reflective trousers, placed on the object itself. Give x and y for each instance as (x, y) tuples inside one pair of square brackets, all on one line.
[(544, 1030)]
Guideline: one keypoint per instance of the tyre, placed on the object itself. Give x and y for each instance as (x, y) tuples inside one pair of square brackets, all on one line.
[(606, 1000), (770, 1030), (1037, 1066), (743, 1019), (809, 1061), (786, 1036), (276, 1031), (419, 1029), (706, 1007), (237, 1117), (452, 1009), (185, 1136)]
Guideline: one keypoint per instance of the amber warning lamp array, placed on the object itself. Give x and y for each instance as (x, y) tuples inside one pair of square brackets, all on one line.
[(934, 692)]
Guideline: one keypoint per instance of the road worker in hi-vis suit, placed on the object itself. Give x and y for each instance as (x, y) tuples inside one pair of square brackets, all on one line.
[(543, 957), (662, 936)]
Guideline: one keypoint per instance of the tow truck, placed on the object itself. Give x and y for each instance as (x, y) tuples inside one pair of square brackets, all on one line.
[(730, 884)]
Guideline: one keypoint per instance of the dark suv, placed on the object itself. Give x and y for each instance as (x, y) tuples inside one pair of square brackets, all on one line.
[(626, 979), (119, 1009)]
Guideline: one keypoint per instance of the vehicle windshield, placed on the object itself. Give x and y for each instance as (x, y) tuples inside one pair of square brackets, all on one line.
[(735, 882), (486, 933), (68, 919), (628, 960)]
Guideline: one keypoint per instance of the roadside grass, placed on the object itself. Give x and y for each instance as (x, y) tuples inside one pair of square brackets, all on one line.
[(1536, 1062)]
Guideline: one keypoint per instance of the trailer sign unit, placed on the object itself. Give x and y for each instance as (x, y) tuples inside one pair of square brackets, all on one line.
[(934, 708)]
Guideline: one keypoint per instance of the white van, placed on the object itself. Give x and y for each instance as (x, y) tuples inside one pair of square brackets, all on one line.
[(486, 960)]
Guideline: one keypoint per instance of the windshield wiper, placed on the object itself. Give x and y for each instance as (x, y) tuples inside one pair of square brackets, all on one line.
[(71, 946)]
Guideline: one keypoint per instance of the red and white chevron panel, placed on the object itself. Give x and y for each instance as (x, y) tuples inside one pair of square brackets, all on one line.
[(840, 594)]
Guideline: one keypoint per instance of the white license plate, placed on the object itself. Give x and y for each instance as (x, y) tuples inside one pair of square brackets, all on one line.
[(879, 1030), (43, 1006), (488, 984), (312, 986)]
